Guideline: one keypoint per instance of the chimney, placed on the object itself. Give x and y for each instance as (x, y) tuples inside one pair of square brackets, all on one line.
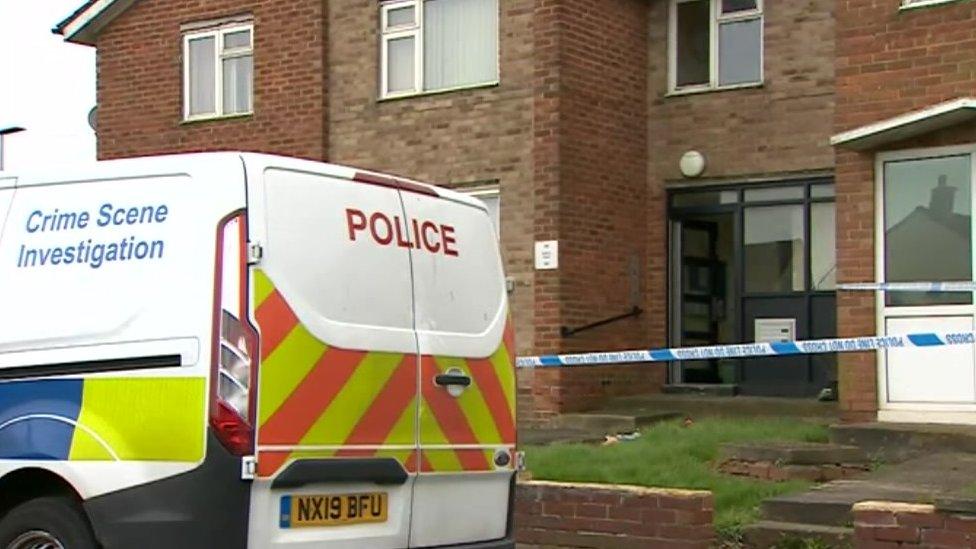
[(941, 201)]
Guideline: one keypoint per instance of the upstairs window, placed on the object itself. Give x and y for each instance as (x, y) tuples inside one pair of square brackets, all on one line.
[(218, 72), (435, 45), (715, 44)]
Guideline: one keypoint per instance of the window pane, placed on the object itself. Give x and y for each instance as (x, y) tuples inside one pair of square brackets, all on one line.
[(400, 64), (493, 202), (823, 191), (238, 75), (460, 42), (928, 226), (730, 6), (692, 42), (239, 39), (400, 17), (823, 256), (774, 249), (740, 52), (202, 76), (706, 198), (774, 193)]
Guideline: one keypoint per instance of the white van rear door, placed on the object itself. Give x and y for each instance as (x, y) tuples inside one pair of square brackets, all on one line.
[(467, 379), (337, 400)]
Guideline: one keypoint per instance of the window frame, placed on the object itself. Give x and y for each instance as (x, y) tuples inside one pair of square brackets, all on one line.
[(417, 31), (491, 191), (716, 20), (218, 34), (914, 4), (883, 310)]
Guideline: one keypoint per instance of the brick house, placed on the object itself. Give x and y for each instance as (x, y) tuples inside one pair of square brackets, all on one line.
[(679, 152)]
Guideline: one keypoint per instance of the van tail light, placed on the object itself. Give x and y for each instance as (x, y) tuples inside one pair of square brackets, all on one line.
[(235, 341)]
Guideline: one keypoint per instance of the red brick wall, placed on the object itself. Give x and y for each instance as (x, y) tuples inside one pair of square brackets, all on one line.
[(590, 171), (881, 524), (140, 94), (782, 127), (563, 135), (888, 62), (553, 514)]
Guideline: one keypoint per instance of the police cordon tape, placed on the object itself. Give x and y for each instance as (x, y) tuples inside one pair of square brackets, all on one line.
[(909, 286), (742, 350)]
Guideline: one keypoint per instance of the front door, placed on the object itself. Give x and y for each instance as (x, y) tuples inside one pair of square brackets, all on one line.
[(925, 209), (704, 312)]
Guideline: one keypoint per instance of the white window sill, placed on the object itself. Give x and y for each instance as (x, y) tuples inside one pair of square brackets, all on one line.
[(213, 118), (709, 89), (409, 95), (908, 6)]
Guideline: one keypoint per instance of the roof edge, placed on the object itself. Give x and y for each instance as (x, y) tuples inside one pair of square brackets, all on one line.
[(82, 26), (907, 125)]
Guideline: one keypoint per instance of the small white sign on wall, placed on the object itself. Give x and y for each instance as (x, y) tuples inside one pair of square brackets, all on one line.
[(547, 254), (774, 330)]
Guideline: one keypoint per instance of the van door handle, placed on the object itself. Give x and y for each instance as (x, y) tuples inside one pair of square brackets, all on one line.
[(448, 379)]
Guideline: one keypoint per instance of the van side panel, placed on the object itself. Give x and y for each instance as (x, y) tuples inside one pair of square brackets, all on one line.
[(105, 336)]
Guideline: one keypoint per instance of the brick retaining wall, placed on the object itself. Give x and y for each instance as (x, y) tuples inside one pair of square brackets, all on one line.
[(553, 514), (883, 524)]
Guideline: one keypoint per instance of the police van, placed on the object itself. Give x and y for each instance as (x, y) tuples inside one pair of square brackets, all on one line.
[(229, 350)]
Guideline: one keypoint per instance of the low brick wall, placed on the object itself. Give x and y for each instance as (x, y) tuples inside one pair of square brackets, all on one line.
[(553, 514), (882, 524)]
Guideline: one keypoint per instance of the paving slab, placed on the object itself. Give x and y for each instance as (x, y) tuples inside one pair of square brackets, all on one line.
[(919, 480), (895, 442)]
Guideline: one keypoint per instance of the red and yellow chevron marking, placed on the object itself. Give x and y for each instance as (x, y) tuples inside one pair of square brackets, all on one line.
[(312, 396)]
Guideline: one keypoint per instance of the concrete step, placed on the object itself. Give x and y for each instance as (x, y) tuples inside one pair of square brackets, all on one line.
[(812, 508), (702, 389), (795, 453), (611, 423), (898, 442), (539, 437), (738, 406), (767, 533)]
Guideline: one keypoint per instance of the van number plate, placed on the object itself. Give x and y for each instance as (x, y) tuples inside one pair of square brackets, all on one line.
[(333, 509)]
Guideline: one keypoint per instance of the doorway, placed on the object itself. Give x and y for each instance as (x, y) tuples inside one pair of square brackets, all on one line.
[(705, 259), (753, 262)]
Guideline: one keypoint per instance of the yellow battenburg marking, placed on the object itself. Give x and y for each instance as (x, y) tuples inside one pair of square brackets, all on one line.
[(440, 460), (353, 400), (142, 419), (263, 287), (502, 362), (285, 368), (473, 404), (403, 430), (84, 447)]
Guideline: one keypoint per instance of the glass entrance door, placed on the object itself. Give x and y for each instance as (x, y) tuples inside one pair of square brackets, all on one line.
[(704, 312), (925, 233)]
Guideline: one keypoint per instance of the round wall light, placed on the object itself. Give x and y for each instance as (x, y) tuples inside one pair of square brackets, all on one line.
[(692, 164)]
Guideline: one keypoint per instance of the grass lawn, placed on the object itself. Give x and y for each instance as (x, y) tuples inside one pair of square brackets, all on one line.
[(670, 455)]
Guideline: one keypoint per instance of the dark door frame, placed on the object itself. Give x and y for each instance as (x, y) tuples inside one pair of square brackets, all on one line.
[(737, 209)]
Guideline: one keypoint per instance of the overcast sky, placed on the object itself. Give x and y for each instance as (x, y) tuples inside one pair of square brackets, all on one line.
[(46, 86)]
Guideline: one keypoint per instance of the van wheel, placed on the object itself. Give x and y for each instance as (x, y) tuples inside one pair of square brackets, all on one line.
[(46, 523)]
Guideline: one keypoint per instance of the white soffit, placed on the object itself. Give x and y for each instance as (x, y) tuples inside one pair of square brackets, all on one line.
[(83, 27), (907, 125)]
